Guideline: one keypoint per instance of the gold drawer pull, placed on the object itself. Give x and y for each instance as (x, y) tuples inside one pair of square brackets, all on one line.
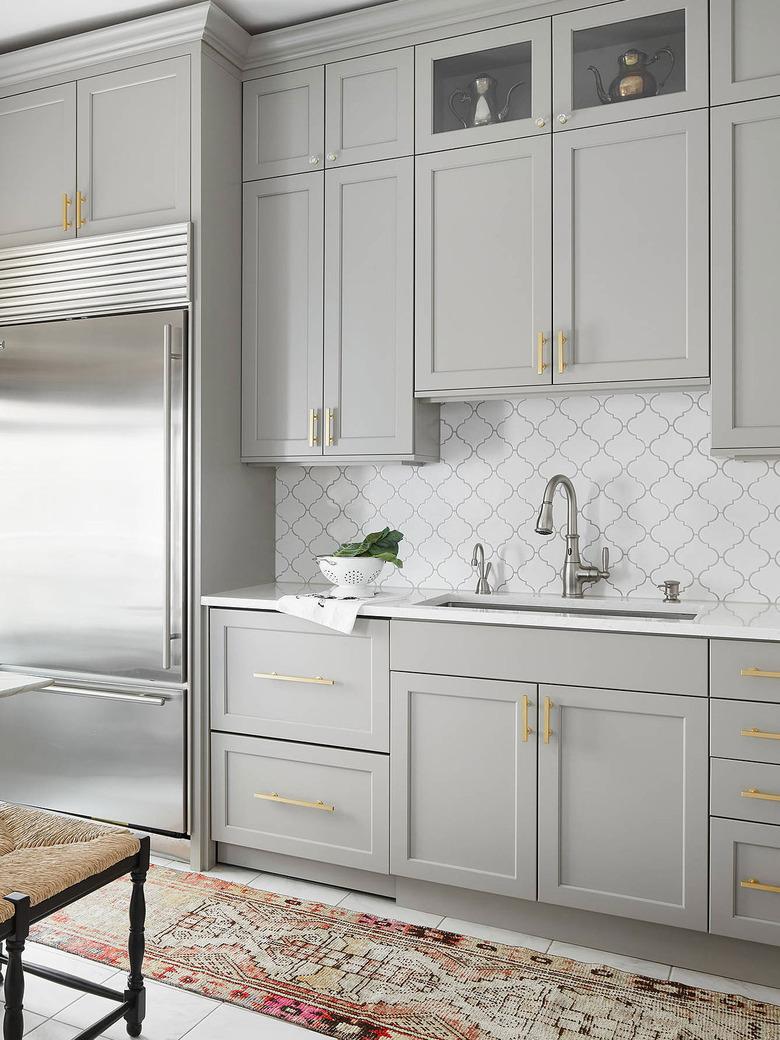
[(753, 792), (67, 224), (80, 218), (314, 418), (274, 797), (541, 340), (561, 353), (527, 731), (759, 886), (316, 679), (547, 709), (758, 673), (760, 733)]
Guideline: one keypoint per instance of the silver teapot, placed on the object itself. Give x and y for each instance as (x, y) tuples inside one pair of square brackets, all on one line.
[(481, 96)]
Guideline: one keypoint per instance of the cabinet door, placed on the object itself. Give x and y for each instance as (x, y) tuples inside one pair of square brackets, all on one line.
[(134, 147), (369, 326), (483, 267), (601, 68), (37, 165), (282, 316), (623, 804), (369, 110), (743, 49), (284, 123), (463, 782), (630, 264), (745, 300), (745, 881)]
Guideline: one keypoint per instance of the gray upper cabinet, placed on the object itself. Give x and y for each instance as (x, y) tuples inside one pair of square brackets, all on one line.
[(653, 51), (745, 58), (463, 782), (134, 147), (483, 297), (630, 233), (38, 166), (284, 123), (623, 804), (745, 301), (282, 316), (487, 86), (369, 108)]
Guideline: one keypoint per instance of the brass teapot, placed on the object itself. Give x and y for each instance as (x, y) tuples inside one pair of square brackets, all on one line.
[(481, 96), (633, 79)]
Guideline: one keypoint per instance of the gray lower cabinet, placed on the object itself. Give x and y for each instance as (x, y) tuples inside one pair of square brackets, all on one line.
[(630, 261), (463, 768), (744, 56), (284, 123), (745, 301), (318, 803), (38, 166), (282, 316), (134, 147), (623, 804), (483, 299), (745, 880)]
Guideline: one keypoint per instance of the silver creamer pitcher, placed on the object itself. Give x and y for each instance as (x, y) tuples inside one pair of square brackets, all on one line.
[(481, 97)]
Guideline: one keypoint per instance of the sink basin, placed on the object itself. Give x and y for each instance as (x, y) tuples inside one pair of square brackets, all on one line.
[(574, 609)]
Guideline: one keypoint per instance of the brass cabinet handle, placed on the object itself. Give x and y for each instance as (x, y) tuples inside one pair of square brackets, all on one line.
[(329, 416), (314, 419), (548, 705), (67, 224), (317, 680), (760, 733), (541, 340), (561, 352), (274, 797), (80, 218), (758, 673), (759, 885), (764, 796), (527, 731)]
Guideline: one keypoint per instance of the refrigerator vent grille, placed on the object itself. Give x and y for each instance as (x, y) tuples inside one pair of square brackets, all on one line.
[(107, 274)]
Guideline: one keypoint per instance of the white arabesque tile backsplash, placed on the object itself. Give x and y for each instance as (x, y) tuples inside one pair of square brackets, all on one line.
[(647, 485)]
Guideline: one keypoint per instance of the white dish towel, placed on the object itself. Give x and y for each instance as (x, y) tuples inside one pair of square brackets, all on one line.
[(323, 609)]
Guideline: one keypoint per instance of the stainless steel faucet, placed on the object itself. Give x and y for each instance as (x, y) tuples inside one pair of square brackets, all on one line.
[(478, 560), (576, 574)]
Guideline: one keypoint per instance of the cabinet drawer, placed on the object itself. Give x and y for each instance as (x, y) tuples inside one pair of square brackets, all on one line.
[(745, 670), (746, 730), (745, 880), (745, 790), (319, 803), (277, 676), (653, 664)]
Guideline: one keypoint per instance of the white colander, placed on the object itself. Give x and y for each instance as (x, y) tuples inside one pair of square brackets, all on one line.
[(352, 575)]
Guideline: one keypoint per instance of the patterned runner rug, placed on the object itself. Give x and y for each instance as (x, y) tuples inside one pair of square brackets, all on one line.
[(352, 976)]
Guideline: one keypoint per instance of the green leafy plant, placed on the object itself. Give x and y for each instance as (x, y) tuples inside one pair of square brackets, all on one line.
[(382, 545)]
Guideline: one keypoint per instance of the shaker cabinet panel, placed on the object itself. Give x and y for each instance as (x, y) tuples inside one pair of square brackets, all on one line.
[(745, 301), (630, 264), (38, 166), (744, 56), (629, 59), (282, 316), (369, 111), (463, 782), (134, 147), (483, 298), (617, 833), (745, 880), (369, 324), (284, 123)]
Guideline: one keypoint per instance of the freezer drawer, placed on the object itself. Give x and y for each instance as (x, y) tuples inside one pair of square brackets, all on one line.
[(110, 753)]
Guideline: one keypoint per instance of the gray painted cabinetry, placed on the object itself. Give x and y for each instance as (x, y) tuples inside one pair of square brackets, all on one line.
[(284, 124), (745, 59)]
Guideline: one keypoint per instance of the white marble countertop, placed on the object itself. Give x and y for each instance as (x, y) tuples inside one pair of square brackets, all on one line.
[(13, 682), (714, 620)]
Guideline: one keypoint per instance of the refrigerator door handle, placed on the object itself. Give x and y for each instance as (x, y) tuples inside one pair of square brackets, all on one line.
[(107, 695), (168, 357)]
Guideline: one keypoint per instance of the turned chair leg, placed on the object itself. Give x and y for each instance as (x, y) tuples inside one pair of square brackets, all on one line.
[(135, 947), (13, 986)]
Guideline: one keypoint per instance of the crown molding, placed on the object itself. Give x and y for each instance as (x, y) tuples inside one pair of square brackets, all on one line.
[(186, 25)]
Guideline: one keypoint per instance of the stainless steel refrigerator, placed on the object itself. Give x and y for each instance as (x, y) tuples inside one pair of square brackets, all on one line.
[(93, 564)]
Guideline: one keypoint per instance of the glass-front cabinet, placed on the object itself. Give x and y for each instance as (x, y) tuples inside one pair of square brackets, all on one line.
[(487, 86), (623, 61)]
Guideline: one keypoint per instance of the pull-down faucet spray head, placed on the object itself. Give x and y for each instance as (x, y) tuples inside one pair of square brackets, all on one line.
[(544, 522)]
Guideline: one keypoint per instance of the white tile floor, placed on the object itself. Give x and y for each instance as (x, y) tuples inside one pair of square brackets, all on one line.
[(54, 1013)]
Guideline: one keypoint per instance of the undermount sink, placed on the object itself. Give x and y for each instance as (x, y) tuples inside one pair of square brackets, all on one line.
[(487, 604)]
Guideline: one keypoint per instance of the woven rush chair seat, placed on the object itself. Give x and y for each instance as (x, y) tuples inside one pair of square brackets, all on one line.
[(43, 855)]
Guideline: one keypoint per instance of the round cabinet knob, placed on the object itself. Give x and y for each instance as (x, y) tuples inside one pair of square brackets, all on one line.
[(314, 160), (332, 157), (540, 122), (563, 118)]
